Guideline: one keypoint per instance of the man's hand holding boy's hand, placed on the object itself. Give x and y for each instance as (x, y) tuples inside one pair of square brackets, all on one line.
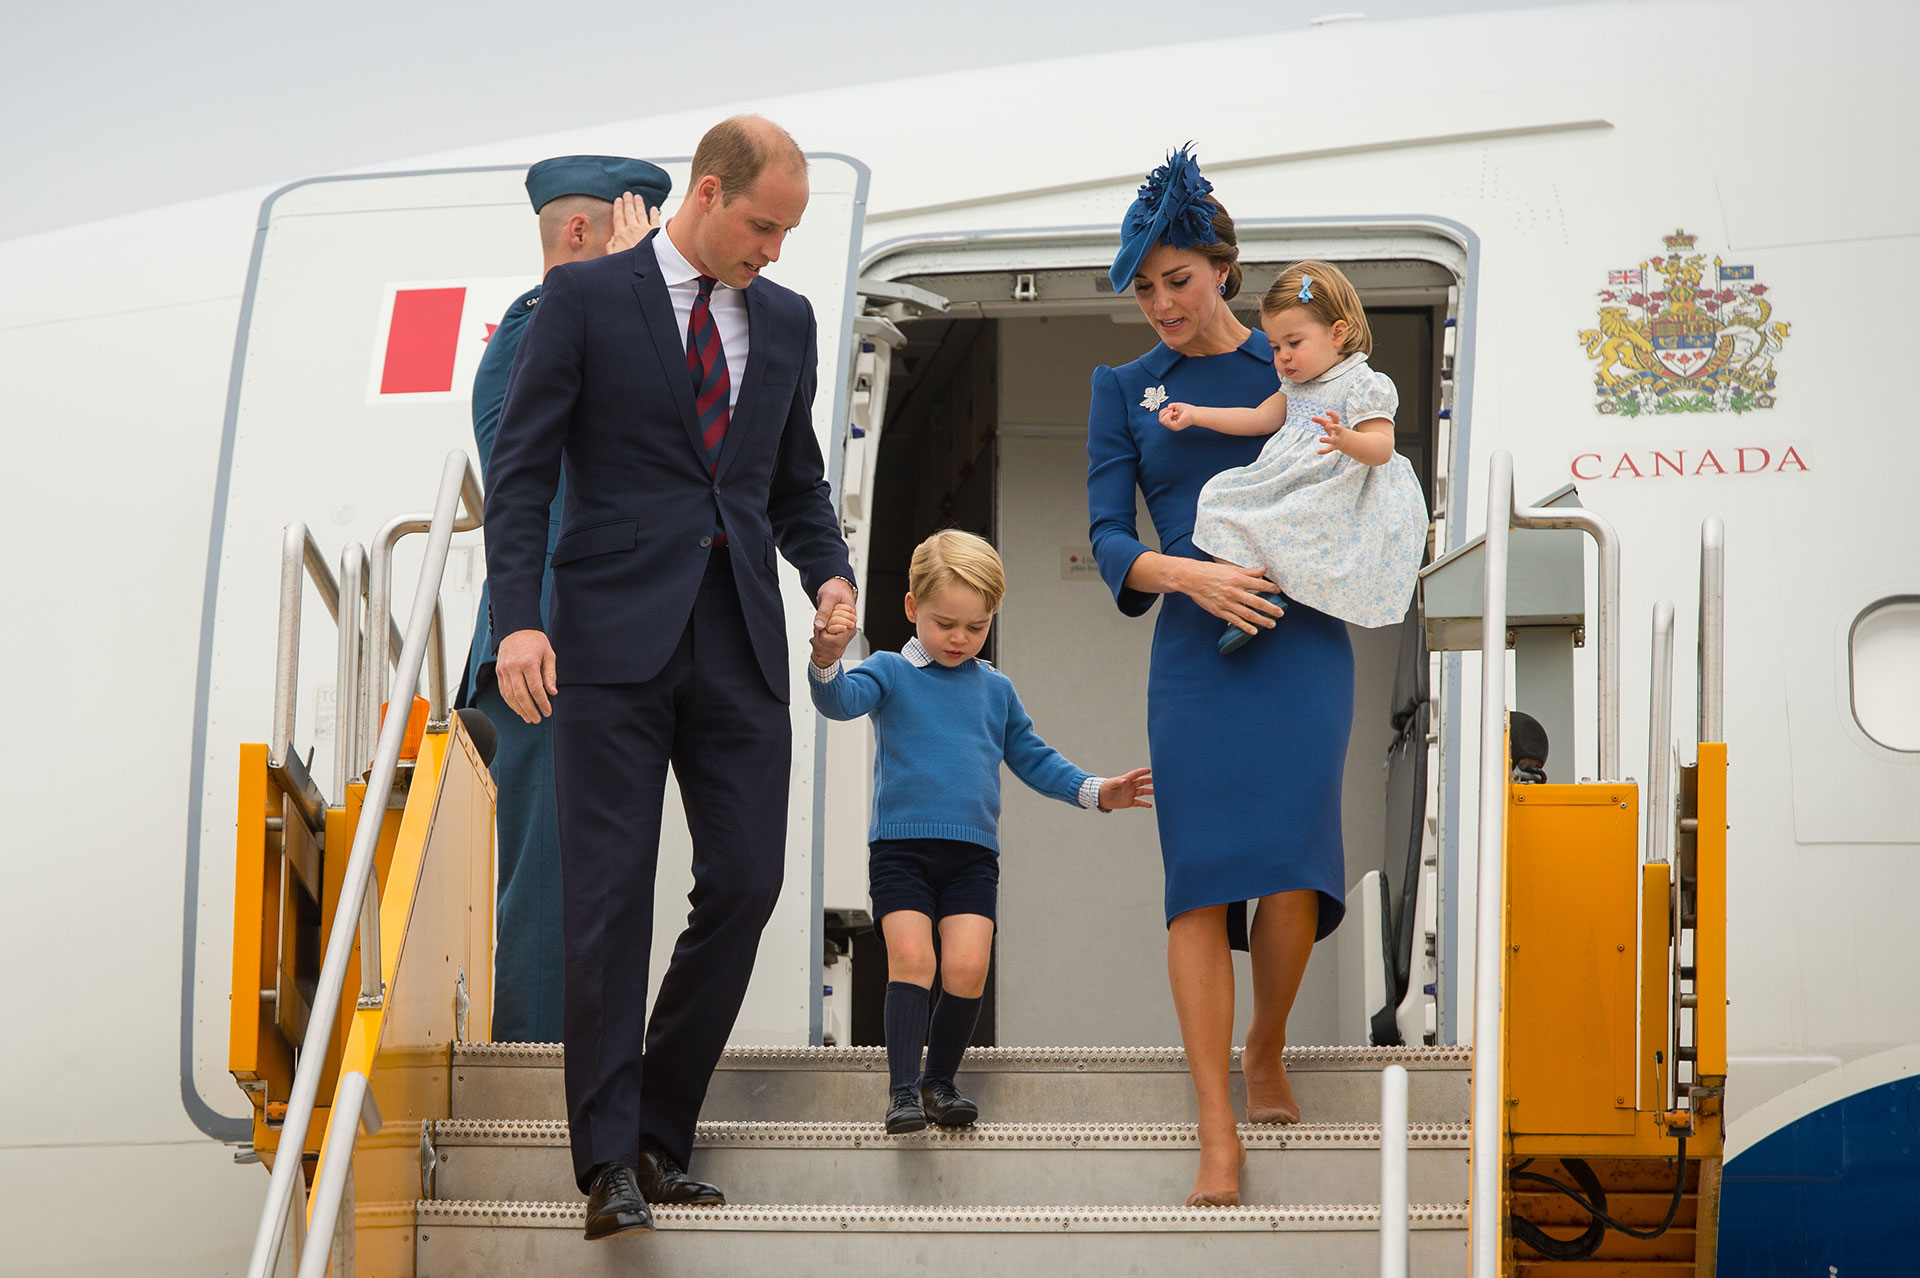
[(1134, 790), (832, 640)]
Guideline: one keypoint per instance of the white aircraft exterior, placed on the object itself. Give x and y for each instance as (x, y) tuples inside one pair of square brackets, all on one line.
[(1516, 194)]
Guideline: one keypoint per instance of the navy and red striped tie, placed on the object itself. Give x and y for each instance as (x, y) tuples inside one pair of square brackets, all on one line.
[(707, 363)]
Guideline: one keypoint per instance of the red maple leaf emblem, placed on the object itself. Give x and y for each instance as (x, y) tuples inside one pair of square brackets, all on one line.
[(1758, 290)]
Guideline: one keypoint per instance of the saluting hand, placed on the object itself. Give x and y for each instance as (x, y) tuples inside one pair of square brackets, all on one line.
[(631, 222), (1134, 790)]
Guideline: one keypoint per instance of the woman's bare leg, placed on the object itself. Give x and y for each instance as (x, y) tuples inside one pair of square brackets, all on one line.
[(1281, 940), (1200, 971)]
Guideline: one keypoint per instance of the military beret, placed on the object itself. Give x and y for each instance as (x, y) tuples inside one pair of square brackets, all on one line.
[(604, 177)]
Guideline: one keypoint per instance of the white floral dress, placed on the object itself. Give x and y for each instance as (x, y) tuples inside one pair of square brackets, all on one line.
[(1335, 534)]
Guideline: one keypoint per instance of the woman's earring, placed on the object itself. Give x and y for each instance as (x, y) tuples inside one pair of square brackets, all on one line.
[(1223, 290)]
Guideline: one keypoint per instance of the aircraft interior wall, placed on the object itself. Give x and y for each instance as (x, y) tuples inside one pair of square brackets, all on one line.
[(1081, 912), (935, 470)]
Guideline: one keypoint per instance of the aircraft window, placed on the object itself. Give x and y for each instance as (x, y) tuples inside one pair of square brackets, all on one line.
[(1884, 658)]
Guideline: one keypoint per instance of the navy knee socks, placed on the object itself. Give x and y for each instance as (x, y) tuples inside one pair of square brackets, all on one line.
[(953, 1022), (904, 1019)]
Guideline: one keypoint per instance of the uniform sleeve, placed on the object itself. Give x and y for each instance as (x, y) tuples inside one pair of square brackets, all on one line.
[(1372, 395), (1113, 475), (1043, 768), (853, 691)]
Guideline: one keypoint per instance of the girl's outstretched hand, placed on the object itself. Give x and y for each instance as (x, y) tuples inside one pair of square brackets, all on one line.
[(1334, 436), (1177, 416), (1133, 790)]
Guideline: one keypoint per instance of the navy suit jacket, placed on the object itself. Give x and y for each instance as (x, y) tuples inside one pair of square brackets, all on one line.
[(600, 387)]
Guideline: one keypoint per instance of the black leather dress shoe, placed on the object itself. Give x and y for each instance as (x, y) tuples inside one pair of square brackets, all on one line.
[(664, 1181), (614, 1204), (904, 1113), (946, 1107)]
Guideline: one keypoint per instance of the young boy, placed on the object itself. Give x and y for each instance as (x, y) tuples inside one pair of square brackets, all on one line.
[(943, 722)]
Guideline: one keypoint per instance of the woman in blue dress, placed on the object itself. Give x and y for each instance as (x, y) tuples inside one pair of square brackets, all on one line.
[(1248, 750)]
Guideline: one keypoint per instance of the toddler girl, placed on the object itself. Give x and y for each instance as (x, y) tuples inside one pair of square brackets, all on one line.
[(1328, 511)]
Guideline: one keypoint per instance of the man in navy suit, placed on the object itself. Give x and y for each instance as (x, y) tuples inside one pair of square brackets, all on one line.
[(674, 387)]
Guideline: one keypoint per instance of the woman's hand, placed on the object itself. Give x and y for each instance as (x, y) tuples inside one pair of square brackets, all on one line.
[(1134, 790), (1231, 593), (1177, 416)]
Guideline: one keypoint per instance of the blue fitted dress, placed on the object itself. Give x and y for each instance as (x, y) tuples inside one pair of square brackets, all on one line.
[(1248, 750)]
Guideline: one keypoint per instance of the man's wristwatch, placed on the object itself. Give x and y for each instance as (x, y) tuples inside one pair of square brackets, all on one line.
[(850, 586)]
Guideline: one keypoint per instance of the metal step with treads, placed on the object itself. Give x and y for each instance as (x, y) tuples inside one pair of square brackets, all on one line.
[(1078, 1166)]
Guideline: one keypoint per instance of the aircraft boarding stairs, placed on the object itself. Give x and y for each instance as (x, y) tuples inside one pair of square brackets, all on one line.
[(428, 1150)]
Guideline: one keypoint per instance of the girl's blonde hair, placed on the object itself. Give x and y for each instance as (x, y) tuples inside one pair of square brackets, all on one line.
[(951, 557), (1332, 298)]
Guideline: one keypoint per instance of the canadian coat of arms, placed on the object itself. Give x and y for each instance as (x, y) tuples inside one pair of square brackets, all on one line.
[(1682, 343)]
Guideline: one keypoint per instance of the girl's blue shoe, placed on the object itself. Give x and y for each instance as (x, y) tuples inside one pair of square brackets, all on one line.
[(1235, 638)]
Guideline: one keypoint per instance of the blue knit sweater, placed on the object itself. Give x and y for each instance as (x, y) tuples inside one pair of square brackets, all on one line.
[(940, 736)]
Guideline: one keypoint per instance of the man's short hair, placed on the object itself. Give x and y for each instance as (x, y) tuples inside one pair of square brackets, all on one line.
[(738, 150), (556, 213)]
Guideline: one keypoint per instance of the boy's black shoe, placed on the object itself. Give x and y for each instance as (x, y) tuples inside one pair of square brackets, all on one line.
[(945, 1106), (904, 1113), (615, 1205)]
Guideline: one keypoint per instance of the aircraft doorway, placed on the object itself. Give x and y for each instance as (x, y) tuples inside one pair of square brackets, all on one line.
[(985, 430)]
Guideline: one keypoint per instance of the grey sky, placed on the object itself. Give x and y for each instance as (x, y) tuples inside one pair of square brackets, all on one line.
[(112, 107)]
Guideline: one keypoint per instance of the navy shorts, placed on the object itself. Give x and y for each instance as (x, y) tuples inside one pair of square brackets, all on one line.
[(936, 877)]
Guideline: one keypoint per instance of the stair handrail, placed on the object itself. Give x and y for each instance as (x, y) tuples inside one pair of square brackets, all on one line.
[(459, 487), (380, 600), (1712, 660), (1504, 514), (353, 1110)]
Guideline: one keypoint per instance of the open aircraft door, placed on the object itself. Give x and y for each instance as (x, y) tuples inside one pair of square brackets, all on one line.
[(368, 305)]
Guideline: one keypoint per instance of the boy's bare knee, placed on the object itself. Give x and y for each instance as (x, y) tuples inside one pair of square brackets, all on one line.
[(964, 982)]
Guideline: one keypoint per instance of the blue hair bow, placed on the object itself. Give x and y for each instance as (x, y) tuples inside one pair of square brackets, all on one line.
[(1171, 208), (1306, 289)]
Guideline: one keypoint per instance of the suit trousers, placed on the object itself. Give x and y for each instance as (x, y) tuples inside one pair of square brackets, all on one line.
[(635, 1081), (528, 953)]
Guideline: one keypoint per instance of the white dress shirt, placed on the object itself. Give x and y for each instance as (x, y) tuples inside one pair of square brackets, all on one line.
[(729, 304)]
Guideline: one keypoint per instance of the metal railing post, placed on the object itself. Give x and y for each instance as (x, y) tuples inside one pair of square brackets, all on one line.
[(1713, 629), (456, 479), (1393, 1172), (1660, 737), (1606, 609), (299, 554), (1484, 1137), (352, 647)]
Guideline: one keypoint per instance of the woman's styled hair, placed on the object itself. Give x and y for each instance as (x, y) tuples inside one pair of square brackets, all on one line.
[(1225, 247), (951, 557), (1322, 289)]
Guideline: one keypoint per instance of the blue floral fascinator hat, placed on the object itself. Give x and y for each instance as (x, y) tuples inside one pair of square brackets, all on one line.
[(1170, 209)]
